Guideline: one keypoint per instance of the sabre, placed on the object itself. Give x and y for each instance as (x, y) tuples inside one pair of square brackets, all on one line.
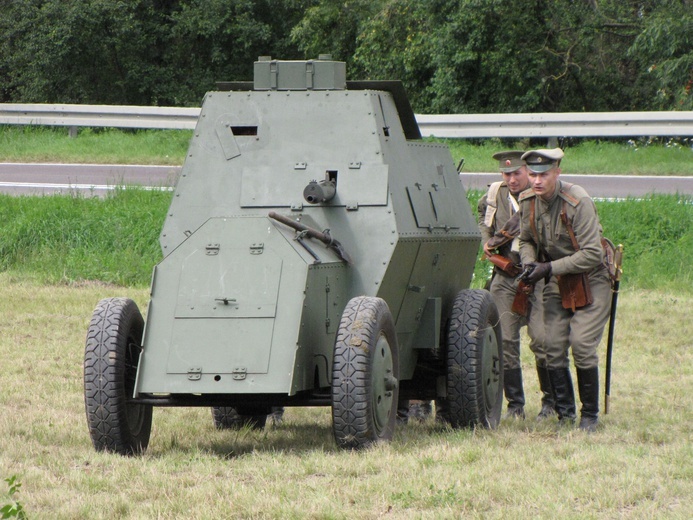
[(618, 264)]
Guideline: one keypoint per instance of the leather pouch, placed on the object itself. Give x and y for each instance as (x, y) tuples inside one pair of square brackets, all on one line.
[(575, 290), (505, 264)]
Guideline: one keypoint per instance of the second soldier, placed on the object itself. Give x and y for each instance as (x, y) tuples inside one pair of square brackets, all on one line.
[(499, 233)]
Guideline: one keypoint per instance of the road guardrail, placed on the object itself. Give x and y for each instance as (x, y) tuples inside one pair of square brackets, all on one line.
[(548, 125)]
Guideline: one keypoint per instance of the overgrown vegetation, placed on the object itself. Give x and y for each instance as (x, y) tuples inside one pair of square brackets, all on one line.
[(472, 56), (68, 239), (75, 239)]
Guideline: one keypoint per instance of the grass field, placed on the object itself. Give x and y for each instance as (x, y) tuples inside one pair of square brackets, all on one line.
[(60, 255), (638, 465), (111, 146)]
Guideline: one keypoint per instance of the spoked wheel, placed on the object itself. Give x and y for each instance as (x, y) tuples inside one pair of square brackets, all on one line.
[(365, 374), (111, 357), (228, 418), (474, 362)]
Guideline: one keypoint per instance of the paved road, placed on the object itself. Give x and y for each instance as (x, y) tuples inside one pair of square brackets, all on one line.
[(99, 179)]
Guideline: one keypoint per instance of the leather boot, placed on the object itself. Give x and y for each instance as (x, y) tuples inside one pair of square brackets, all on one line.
[(547, 401), (442, 412), (403, 412), (420, 410), (514, 393), (564, 396), (588, 387)]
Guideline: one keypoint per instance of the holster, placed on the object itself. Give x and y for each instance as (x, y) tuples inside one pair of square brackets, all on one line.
[(505, 264), (521, 304), (575, 290)]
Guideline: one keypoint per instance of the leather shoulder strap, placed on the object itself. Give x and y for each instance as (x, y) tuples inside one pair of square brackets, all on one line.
[(532, 223), (569, 226)]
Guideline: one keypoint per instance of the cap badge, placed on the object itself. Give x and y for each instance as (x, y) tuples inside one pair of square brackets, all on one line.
[(508, 162)]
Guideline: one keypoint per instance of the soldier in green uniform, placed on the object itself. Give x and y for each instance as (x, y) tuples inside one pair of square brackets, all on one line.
[(560, 240), (495, 209)]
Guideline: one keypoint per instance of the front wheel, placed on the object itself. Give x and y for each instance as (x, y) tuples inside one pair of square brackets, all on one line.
[(365, 374), (111, 357), (474, 381)]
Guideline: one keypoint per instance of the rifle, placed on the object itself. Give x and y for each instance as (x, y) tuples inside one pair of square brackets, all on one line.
[(618, 264)]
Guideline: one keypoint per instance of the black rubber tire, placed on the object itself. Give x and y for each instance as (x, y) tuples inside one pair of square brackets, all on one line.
[(228, 418), (111, 357), (474, 362), (365, 374)]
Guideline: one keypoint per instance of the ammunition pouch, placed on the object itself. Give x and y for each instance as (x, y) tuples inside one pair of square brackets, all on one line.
[(575, 290)]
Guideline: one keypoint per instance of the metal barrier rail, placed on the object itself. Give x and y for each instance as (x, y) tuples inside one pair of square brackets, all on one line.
[(564, 124)]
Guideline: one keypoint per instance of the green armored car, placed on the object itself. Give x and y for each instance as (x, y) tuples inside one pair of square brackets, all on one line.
[(316, 253)]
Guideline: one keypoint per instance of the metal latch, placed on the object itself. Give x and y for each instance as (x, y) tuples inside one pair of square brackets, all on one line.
[(257, 249), (212, 249), (239, 373), (194, 374)]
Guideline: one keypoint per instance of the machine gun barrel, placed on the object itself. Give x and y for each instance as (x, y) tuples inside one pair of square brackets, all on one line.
[(323, 236)]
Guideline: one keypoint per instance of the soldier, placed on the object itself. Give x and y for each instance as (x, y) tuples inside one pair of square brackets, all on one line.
[(496, 208), (560, 240)]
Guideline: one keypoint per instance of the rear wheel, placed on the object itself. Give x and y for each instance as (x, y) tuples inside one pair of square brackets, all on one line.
[(474, 361), (111, 357), (365, 374), (228, 418)]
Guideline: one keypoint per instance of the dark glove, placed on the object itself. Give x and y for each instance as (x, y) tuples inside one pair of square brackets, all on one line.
[(537, 271)]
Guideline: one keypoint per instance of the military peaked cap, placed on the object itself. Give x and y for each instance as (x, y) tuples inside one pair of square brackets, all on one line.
[(509, 161), (543, 159)]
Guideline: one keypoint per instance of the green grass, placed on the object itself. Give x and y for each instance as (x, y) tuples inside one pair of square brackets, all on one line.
[(587, 157), (99, 146), (73, 239), (68, 239), (112, 146), (637, 466)]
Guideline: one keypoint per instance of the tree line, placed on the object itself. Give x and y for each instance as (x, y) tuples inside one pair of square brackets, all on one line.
[(453, 56)]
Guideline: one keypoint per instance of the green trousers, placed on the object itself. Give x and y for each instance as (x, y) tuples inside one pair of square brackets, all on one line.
[(581, 330)]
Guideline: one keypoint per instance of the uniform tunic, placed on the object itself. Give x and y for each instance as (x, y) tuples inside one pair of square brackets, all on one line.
[(503, 287), (583, 329)]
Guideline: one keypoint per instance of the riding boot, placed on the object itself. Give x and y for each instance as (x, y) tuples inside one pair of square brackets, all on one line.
[(420, 410), (276, 416), (588, 387), (442, 412), (403, 412), (514, 393), (547, 401), (562, 385)]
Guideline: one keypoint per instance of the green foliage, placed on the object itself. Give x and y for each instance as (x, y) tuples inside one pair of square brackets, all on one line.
[(454, 56), (13, 509), (142, 52), (665, 49), (332, 26)]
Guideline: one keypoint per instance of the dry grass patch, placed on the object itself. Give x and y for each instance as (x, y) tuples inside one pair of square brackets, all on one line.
[(638, 465)]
